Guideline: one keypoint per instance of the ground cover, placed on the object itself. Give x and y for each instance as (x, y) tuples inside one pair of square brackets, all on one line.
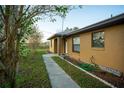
[(32, 71), (83, 80)]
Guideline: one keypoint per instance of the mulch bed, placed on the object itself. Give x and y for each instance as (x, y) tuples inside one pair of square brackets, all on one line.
[(115, 80)]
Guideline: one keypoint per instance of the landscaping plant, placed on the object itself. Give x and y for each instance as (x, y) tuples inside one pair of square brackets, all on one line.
[(16, 24)]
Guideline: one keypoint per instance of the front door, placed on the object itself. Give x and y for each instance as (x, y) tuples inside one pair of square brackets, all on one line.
[(55, 45)]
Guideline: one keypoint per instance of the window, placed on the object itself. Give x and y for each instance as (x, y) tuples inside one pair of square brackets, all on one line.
[(76, 44), (98, 39)]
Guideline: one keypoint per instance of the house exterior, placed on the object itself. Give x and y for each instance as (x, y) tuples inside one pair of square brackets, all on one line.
[(101, 43)]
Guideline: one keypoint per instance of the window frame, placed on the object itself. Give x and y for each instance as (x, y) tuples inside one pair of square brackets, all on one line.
[(73, 43), (92, 40)]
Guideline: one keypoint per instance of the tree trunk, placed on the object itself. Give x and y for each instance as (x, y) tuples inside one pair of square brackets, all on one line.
[(10, 48)]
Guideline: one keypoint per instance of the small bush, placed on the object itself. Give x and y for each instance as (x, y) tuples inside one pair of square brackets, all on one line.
[(80, 77), (24, 50), (87, 67)]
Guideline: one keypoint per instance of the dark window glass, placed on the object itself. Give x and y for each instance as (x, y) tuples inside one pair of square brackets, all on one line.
[(76, 44), (98, 39)]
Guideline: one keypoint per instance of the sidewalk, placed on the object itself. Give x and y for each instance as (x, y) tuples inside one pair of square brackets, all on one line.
[(58, 78)]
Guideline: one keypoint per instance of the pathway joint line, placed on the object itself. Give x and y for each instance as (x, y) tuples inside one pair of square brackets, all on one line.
[(58, 77)]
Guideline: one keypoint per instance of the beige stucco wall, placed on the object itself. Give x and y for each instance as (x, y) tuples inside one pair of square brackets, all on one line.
[(69, 49), (54, 46), (50, 47), (112, 55), (62, 45)]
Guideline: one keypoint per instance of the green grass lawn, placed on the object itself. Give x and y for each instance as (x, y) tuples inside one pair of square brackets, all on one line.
[(83, 80), (32, 71)]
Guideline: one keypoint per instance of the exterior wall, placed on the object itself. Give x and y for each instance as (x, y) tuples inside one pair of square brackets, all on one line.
[(112, 55), (57, 45), (75, 55), (62, 45), (52, 48)]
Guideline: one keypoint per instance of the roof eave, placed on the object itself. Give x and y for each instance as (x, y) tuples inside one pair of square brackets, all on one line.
[(99, 26)]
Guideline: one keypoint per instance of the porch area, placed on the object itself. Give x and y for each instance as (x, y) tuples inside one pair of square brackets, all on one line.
[(58, 45)]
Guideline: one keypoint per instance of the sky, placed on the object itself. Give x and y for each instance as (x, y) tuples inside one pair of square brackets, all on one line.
[(80, 17)]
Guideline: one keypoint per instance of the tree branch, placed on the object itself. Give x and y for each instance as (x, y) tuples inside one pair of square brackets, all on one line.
[(2, 40), (2, 13), (21, 12)]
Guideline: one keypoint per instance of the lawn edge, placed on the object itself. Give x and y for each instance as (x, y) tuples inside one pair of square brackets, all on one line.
[(46, 72), (104, 81)]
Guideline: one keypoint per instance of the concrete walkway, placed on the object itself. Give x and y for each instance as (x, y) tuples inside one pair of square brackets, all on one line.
[(58, 78)]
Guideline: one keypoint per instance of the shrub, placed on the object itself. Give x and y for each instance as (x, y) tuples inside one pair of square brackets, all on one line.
[(87, 67)]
